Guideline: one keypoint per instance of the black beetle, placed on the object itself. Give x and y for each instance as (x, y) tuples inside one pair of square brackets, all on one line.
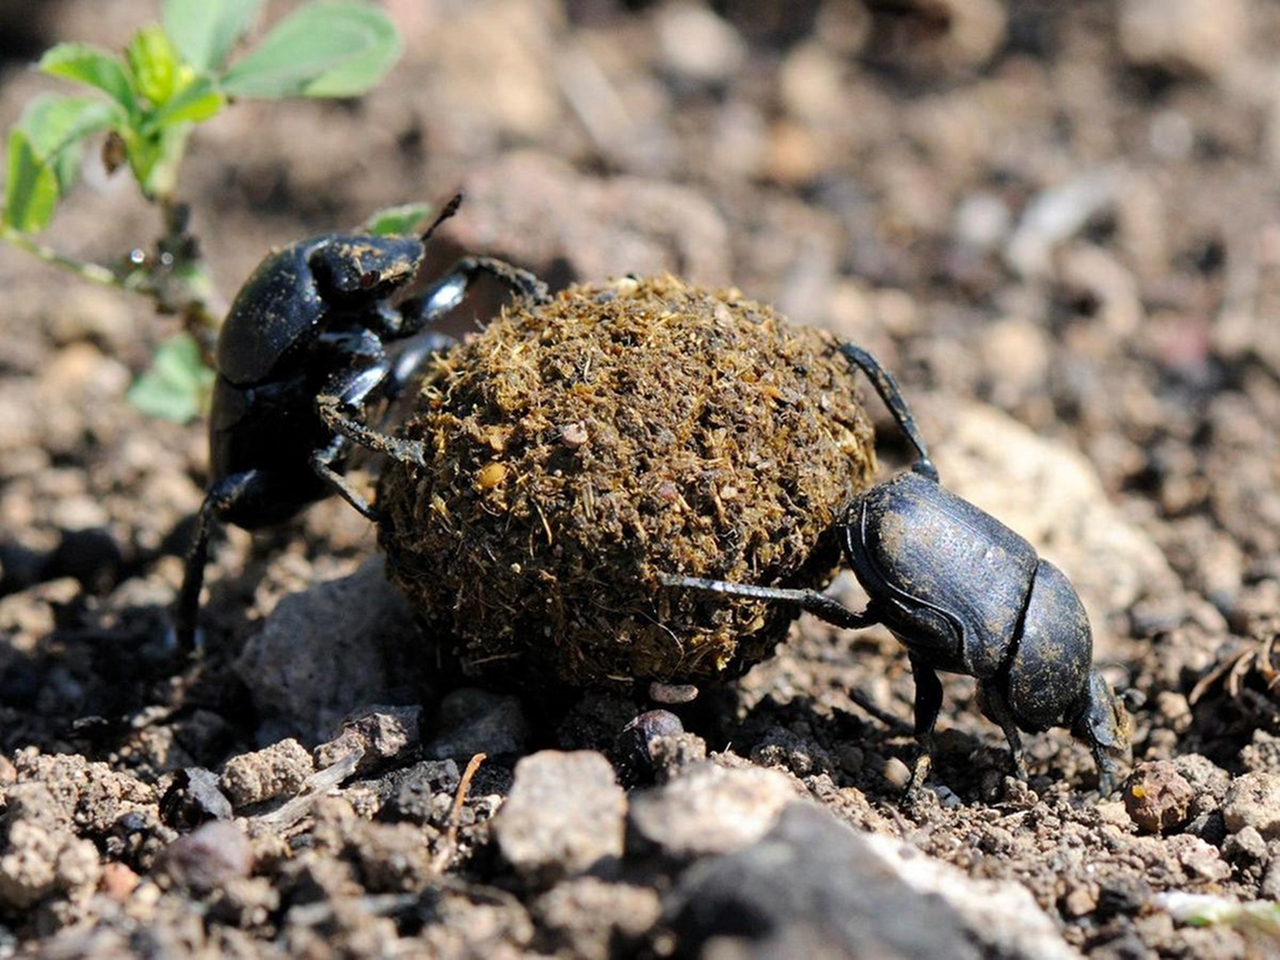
[(964, 594), (299, 356)]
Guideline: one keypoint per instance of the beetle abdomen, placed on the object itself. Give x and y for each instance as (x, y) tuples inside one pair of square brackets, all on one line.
[(949, 580), (1052, 659)]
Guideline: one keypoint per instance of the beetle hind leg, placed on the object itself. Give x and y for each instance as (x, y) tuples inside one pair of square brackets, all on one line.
[(995, 706), (927, 707), (811, 601)]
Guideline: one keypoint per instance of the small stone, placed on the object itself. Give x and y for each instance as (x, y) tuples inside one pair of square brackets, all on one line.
[(117, 881), (1270, 889), (1184, 37), (1247, 845), (672, 755), (193, 798), (1174, 710), (897, 773), (696, 45), (1253, 800), (1081, 900), (413, 797), (709, 810), (382, 734), (565, 816), (586, 915), (276, 771), (475, 721), (208, 857), (1157, 797), (634, 745)]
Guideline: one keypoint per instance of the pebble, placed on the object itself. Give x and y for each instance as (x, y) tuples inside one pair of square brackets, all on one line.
[(208, 857), (276, 771), (696, 45), (1157, 797), (327, 650), (382, 734), (193, 798), (1253, 800), (634, 746), (1184, 37), (565, 815), (708, 810), (412, 793)]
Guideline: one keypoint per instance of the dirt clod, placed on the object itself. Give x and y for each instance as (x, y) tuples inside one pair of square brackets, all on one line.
[(1157, 797)]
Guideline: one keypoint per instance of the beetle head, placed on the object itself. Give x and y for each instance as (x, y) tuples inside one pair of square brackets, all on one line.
[(1104, 724), (349, 267)]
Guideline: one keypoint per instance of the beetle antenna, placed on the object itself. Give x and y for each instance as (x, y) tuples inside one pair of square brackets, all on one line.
[(891, 394), (448, 211)]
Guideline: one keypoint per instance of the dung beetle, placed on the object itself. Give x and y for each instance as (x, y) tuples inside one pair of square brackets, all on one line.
[(302, 351), (964, 594)]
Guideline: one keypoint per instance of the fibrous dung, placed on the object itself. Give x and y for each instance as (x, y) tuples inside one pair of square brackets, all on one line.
[(576, 450)]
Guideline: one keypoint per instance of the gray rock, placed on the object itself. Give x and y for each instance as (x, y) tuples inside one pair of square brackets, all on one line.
[(565, 816), (382, 734), (1001, 916), (709, 810), (475, 721), (1253, 800), (811, 887), (328, 650)]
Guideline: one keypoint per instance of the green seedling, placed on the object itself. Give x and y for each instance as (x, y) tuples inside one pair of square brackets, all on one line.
[(146, 100)]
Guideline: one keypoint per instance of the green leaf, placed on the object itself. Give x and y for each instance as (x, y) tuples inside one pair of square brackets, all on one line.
[(396, 221), (43, 155), (158, 71), (93, 66), (330, 48), (195, 103), (177, 384), (30, 186), (53, 123), (204, 31)]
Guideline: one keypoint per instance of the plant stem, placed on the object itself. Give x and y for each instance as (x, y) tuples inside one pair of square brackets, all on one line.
[(93, 272)]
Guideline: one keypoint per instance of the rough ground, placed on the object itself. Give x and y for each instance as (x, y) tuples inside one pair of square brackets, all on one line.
[(1059, 223)]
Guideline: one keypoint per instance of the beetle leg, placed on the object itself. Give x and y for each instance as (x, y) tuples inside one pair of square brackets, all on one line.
[(410, 360), (220, 499), (322, 462), (891, 394), (447, 292), (927, 707), (811, 601), (995, 706)]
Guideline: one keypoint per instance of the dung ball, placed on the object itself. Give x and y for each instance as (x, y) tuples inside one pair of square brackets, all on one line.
[(576, 450)]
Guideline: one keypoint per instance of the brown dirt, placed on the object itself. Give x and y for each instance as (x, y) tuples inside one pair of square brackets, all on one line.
[(1057, 223)]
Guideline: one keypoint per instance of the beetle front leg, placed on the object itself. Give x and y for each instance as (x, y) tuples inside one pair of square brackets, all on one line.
[(995, 706), (891, 394), (927, 707), (447, 292), (222, 497)]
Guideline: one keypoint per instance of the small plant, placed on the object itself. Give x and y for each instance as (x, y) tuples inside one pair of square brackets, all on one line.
[(169, 78)]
